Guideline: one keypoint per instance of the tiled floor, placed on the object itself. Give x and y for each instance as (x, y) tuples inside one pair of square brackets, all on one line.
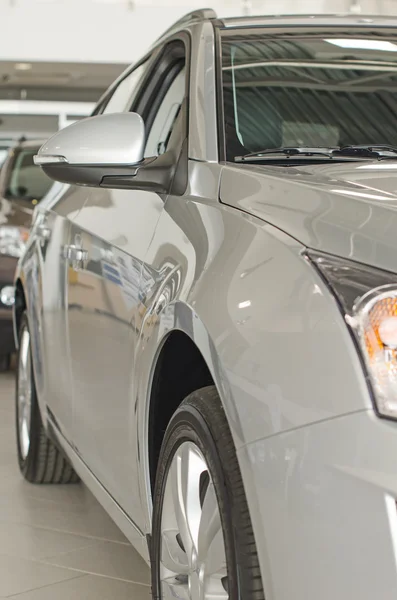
[(56, 542)]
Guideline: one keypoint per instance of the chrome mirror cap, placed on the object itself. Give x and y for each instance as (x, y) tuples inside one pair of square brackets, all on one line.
[(116, 139)]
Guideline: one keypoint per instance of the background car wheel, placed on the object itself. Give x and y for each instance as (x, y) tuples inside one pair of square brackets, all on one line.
[(203, 545), (5, 362), (40, 460)]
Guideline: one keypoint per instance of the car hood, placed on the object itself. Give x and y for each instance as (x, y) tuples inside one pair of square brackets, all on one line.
[(14, 213), (348, 209)]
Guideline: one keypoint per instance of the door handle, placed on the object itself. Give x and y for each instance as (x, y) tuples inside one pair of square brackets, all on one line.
[(77, 256)]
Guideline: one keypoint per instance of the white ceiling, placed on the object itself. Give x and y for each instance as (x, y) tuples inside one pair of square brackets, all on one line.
[(92, 75), (56, 81)]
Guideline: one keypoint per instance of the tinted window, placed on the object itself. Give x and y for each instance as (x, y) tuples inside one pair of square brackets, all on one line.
[(166, 116), (26, 181), (331, 88)]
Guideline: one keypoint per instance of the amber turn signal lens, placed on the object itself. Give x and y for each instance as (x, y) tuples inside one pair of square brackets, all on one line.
[(375, 317)]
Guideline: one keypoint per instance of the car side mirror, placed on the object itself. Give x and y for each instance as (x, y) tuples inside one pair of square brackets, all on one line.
[(105, 151)]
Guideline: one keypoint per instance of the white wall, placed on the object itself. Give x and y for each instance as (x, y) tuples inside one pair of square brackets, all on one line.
[(87, 30), (107, 30)]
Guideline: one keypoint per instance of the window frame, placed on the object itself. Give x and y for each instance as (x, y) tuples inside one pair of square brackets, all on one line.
[(159, 78), (150, 93), (155, 107), (152, 88), (220, 106), (107, 95)]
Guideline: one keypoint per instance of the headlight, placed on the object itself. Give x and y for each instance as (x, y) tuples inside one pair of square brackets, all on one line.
[(368, 298), (13, 240), (7, 295)]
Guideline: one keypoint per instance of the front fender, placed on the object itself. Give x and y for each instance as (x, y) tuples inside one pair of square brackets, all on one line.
[(267, 325)]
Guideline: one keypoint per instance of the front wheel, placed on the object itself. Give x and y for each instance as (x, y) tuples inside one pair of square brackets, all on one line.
[(203, 545)]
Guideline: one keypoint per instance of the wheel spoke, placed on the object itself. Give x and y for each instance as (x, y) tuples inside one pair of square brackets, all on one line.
[(25, 438), (186, 470), (210, 522), (215, 570), (24, 393), (215, 562), (193, 557), (173, 558), (179, 493), (172, 589), (212, 548)]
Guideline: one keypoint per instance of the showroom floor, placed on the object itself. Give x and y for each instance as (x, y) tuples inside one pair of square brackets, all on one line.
[(56, 541)]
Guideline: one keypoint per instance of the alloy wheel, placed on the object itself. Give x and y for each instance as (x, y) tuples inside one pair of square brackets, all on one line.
[(193, 557), (24, 396)]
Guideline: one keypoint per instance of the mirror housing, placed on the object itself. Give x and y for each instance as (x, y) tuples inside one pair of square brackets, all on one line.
[(114, 139), (106, 151)]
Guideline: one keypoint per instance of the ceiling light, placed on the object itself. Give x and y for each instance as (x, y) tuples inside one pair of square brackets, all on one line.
[(23, 66), (364, 44)]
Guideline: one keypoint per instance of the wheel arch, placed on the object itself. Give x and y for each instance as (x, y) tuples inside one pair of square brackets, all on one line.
[(20, 306), (187, 346), (180, 369)]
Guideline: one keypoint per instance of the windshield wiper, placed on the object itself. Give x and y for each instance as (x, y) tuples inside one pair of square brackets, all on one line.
[(287, 151), (370, 151), (377, 151)]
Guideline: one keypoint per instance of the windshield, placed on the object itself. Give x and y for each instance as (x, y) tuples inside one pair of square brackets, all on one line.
[(319, 89), (26, 181)]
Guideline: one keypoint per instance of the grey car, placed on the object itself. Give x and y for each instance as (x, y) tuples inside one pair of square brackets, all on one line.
[(206, 309)]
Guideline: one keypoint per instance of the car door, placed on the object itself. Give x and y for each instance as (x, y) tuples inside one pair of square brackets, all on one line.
[(108, 242), (50, 281), (47, 287)]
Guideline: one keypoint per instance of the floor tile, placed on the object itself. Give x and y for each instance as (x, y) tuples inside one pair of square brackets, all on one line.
[(7, 416), (35, 543), (108, 559), (57, 541), (89, 587), (72, 495), (82, 519), (18, 575)]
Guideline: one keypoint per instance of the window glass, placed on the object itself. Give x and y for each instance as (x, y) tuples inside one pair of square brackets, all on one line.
[(27, 182), (324, 89), (3, 155), (166, 116), (125, 92)]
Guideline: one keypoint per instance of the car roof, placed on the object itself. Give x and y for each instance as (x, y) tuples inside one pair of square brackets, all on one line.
[(276, 21), (309, 21)]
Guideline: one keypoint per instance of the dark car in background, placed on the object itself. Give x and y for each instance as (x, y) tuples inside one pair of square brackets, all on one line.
[(22, 186)]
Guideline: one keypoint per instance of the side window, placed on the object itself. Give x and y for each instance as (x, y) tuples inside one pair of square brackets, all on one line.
[(166, 115), (124, 94), (26, 182)]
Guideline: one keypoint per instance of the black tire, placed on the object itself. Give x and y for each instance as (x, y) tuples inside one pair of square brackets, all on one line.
[(5, 362), (44, 463), (201, 419)]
